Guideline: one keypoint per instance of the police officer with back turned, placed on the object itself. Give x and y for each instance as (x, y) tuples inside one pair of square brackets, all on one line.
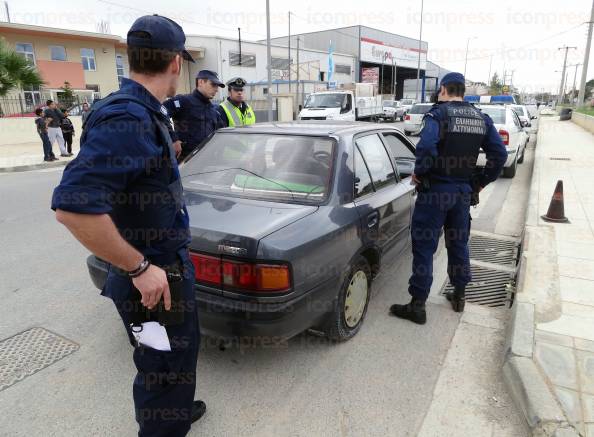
[(122, 199), (446, 155)]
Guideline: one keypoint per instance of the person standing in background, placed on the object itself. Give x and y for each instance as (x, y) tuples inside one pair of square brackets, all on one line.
[(54, 132), (67, 131), (41, 124)]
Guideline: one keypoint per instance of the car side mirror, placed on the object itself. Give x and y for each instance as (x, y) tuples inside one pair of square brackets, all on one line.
[(404, 167), (533, 117)]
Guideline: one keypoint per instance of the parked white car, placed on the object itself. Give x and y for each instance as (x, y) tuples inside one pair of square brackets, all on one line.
[(413, 120), (514, 138), (393, 110), (529, 121), (407, 104)]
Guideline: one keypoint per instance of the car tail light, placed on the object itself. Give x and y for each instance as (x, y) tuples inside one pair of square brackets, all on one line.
[(504, 137), (407, 117), (207, 268), (242, 276)]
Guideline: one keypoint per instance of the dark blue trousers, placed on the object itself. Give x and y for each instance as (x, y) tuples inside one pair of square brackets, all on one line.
[(164, 386), (47, 146), (445, 206)]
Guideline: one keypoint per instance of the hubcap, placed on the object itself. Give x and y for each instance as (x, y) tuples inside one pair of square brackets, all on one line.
[(356, 297)]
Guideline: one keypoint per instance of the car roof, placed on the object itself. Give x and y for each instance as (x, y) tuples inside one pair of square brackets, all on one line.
[(309, 127)]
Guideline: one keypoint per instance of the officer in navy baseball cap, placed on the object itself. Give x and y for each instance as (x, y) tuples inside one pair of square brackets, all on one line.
[(194, 116), (133, 216), (157, 32)]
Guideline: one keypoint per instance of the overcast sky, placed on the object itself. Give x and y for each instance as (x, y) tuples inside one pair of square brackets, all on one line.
[(520, 36)]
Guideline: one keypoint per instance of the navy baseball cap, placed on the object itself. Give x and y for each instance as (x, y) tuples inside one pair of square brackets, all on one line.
[(210, 75), (453, 78), (161, 33)]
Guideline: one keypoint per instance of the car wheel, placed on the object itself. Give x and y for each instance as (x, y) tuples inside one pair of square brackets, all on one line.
[(521, 158), (510, 171), (351, 303), (394, 118)]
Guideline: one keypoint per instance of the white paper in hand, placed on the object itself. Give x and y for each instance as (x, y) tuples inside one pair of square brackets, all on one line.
[(153, 335)]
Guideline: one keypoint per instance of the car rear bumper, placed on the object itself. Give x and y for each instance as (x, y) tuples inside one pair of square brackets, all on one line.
[(511, 157), (228, 318)]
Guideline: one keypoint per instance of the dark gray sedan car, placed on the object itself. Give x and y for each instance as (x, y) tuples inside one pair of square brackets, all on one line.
[(290, 223)]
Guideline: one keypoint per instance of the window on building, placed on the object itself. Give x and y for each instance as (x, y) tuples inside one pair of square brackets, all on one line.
[(57, 53), (32, 95), (88, 59), (95, 89), (279, 63), (120, 69), (342, 69), (25, 49), (247, 60)]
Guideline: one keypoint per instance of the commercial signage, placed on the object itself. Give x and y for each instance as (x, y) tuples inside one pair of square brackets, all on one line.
[(370, 75), (377, 52)]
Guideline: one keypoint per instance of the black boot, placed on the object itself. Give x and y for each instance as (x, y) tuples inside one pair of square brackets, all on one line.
[(413, 311), (457, 299), (198, 410)]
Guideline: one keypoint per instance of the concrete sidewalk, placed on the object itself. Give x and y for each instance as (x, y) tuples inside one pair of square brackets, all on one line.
[(21, 148), (550, 358)]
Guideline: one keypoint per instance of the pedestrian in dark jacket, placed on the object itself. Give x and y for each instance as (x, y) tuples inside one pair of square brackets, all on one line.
[(67, 131), (41, 124)]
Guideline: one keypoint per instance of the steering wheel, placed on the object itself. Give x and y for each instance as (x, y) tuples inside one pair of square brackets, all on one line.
[(323, 156)]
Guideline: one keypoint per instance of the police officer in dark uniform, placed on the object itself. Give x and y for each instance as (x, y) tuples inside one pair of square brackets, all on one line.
[(194, 116), (122, 199), (453, 133)]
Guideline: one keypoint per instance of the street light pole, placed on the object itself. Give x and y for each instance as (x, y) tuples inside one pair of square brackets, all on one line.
[(466, 57), (582, 94), (269, 61), (419, 58), (562, 87), (574, 78)]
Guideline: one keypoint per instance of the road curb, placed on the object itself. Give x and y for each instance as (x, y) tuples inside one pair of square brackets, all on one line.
[(536, 299), (41, 165)]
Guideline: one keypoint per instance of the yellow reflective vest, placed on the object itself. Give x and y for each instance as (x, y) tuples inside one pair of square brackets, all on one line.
[(236, 117)]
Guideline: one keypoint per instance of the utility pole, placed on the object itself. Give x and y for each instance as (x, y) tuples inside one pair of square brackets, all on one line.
[(7, 12), (419, 58), (574, 78), (289, 59), (297, 94), (582, 94), (269, 61), (490, 65), (466, 57), (239, 39), (562, 87)]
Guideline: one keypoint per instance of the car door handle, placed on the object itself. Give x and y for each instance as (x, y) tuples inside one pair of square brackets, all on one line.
[(372, 219)]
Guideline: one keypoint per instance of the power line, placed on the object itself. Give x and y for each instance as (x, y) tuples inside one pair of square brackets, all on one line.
[(176, 17)]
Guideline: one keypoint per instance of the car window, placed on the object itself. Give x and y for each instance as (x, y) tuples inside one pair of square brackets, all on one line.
[(516, 120), (497, 113), (420, 109), (282, 168), (403, 157), (363, 184), (377, 159)]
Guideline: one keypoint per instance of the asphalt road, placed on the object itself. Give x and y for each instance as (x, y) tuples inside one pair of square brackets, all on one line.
[(381, 383)]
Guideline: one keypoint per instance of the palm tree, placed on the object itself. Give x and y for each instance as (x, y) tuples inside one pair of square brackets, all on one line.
[(16, 71)]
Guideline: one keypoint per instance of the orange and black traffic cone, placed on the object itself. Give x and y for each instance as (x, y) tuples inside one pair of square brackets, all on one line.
[(556, 212)]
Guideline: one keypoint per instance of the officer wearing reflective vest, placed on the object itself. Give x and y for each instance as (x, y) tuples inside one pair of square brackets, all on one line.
[(453, 133), (234, 111), (122, 198)]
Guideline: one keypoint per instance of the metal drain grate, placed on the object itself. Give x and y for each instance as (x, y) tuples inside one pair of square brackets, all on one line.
[(559, 158), (27, 353), (492, 250), (488, 287)]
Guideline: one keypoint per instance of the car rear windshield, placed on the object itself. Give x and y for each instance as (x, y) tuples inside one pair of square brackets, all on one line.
[(420, 109), (281, 168), (497, 113), (520, 111)]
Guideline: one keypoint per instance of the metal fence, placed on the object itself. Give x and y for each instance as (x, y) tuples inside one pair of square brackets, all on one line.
[(25, 107)]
